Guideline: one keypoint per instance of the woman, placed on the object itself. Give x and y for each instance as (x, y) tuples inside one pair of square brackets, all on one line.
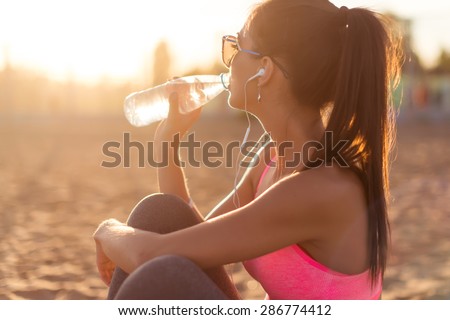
[(318, 78)]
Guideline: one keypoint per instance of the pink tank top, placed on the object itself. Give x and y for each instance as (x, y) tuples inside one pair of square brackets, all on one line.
[(291, 274)]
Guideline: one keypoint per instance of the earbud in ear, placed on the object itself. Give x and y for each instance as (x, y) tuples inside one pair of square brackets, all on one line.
[(258, 74)]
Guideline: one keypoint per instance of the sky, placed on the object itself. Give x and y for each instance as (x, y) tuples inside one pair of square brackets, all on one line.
[(92, 39)]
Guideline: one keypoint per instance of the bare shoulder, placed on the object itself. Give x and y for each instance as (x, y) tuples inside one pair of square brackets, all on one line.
[(336, 178), (332, 191)]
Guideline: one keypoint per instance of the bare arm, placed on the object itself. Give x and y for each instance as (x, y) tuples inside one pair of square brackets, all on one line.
[(293, 210), (171, 177), (246, 188)]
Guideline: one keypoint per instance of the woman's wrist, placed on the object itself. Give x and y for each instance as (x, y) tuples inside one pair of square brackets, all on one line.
[(103, 228), (167, 132)]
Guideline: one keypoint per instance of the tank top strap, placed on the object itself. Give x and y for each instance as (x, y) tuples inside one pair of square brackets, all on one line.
[(266, 169)]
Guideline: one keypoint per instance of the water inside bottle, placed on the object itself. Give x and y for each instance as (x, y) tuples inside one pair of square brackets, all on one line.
[(145, 107), (199, 94)]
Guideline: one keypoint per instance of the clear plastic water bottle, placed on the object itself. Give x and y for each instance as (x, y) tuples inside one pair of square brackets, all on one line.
[(145, 107)]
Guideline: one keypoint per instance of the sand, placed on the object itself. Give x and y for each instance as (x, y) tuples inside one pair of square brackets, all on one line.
[(54, 192)]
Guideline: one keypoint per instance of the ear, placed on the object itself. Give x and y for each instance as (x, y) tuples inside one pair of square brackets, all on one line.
[(268, 65)]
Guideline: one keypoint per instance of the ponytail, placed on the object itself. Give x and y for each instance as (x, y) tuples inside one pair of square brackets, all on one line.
[(363, 115)]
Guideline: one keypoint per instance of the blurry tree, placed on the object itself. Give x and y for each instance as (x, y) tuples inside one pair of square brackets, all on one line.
[(6, 84), (412, 64), (161, 63), (443, 64)]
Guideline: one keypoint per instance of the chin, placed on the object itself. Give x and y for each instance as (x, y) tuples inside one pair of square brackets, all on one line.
[(233, 99), (233, 103), (230, 100)]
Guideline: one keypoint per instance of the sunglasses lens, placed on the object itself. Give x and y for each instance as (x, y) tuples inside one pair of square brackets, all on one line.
[(229, 50)]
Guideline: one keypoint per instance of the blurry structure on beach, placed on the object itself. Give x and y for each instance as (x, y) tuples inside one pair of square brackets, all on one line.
[(421, 91)]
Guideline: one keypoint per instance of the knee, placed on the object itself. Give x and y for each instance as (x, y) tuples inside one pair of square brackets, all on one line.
[(157, 201), (167, 266), (169, 277), (162, 213), (159, 278)]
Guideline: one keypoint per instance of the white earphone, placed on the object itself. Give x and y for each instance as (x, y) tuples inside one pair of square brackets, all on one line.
[(260, 73), (244, 141)]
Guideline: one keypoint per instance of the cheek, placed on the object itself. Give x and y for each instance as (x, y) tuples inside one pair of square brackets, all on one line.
[(239, 75)]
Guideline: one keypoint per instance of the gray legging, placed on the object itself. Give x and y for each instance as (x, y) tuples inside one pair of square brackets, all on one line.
[(170, 276)]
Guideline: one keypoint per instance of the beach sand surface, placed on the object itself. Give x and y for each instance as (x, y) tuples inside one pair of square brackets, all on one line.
[(54, 192)]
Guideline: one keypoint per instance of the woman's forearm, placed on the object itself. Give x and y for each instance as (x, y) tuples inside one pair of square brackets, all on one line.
[(171, 177), (123, 244)]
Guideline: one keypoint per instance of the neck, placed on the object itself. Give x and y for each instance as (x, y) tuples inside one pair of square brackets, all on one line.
[(291, 127)]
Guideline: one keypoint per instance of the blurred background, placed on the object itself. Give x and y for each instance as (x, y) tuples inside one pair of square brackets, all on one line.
[(65, 69)]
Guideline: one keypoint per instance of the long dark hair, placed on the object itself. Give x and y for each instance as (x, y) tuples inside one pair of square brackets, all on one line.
[(346, 62)]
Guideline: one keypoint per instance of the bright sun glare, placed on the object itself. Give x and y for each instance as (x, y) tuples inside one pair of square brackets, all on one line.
[(90, 39)]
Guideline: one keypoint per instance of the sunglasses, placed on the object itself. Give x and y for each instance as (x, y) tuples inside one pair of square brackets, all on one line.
[(231, 47)]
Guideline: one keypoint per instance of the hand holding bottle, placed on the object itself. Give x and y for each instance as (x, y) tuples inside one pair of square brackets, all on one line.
[(176, 122)]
